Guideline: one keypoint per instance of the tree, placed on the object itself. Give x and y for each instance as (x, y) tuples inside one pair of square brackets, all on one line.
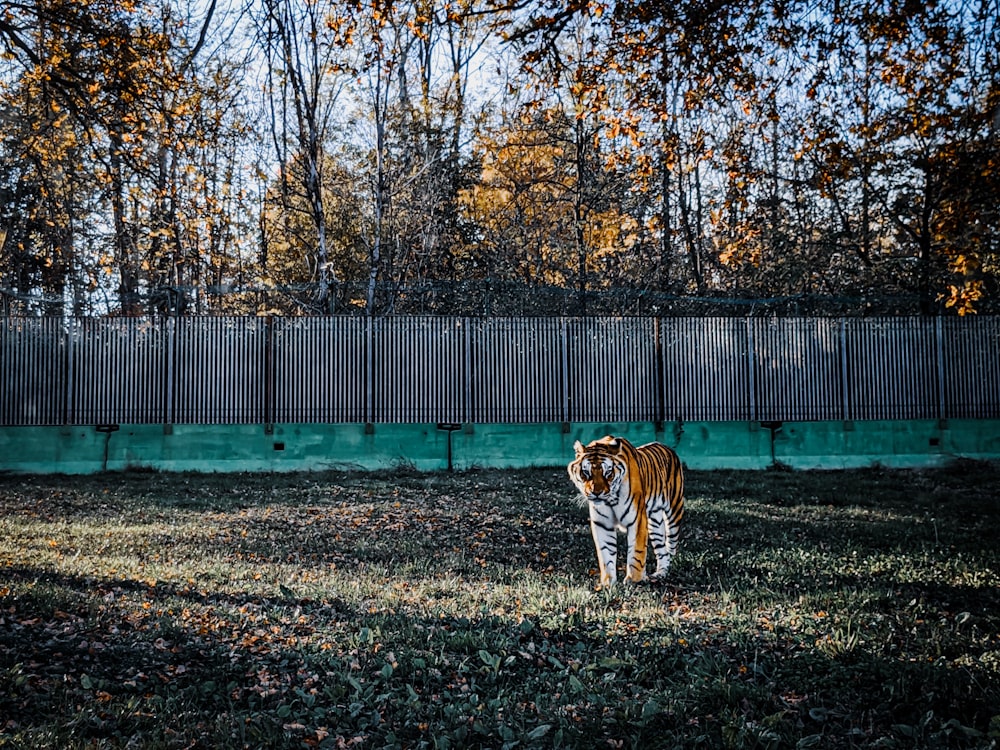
[(410, 97), (840, 152), (300, 43), (142, 114), (288, 225), (784, 141), (536, 224)]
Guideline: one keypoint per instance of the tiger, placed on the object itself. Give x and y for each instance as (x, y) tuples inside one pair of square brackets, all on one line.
[(638, 490)]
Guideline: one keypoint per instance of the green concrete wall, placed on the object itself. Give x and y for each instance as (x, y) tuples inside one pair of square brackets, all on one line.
[(702, 445), (223, 448), (426, 447), (904, 443)]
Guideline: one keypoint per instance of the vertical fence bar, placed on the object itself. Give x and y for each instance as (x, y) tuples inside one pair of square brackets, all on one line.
[(467, 370), (169, 352), (8, 360), (369, 372), (267, 392), (32, 368), (942, 411), (706, 368), (751, 367), (845, 406), (69, 415), (564, 352), (515, 370), (658, 375), (319, 371)]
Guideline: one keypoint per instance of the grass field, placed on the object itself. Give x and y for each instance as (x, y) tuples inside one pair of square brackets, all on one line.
[(827, 610)]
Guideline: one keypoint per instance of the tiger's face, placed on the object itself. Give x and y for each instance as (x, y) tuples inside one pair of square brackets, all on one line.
[(595, 471)]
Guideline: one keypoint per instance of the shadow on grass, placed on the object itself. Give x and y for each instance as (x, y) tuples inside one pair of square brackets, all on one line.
[(173, 666), (85, 661)]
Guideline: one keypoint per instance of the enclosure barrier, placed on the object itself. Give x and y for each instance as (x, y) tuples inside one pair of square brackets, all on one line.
[(343, 370)]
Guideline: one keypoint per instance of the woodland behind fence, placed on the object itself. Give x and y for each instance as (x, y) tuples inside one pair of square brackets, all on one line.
[(226, 370)]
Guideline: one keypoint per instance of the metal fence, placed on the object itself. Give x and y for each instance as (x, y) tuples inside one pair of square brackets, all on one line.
[(446, 369)]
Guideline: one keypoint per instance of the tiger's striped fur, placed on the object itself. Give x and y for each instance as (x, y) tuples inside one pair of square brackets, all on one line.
[(638, 490)]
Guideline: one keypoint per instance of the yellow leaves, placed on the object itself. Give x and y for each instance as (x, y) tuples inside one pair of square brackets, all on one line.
[(963, 297), (609, 233), (577, 89), (729, 254), (965, 264), (343, 28), (692, 99)]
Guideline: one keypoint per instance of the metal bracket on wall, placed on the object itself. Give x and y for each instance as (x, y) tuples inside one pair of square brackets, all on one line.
[(774, 427), (450, 428), (107, 429)]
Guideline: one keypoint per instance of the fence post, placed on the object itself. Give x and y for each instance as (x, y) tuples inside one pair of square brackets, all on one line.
[(467, 375), (564, 347), (659, 375), (751, 378), (845, 391), (68, 414), (269, 368), (170, 351), (939, 353), (369, 373)]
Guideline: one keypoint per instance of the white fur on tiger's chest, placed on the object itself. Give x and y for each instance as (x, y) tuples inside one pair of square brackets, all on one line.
[(617, 510)]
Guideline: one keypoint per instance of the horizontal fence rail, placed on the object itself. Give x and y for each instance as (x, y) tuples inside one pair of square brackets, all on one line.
[(233, 370)]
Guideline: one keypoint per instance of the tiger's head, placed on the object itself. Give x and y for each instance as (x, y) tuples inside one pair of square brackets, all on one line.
[(598, 469)]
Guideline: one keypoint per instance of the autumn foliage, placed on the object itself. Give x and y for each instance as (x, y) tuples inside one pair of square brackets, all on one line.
[(166, 156)]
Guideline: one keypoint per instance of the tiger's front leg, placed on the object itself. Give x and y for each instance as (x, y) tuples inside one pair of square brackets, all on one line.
[(602, 527), (638, 538)]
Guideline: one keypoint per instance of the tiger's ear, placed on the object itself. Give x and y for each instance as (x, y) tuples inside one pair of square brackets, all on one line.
[(611, 441), (578, 448)]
